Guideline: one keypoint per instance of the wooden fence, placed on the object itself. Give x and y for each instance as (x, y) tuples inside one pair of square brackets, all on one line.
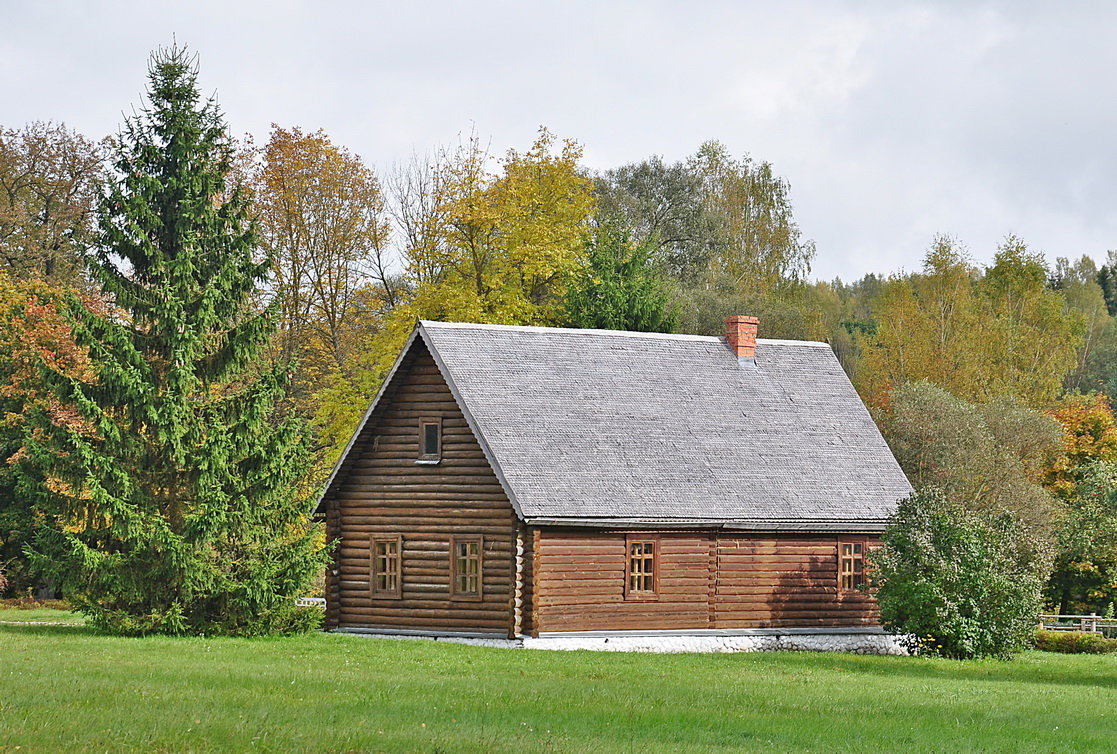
[(1091, 624)]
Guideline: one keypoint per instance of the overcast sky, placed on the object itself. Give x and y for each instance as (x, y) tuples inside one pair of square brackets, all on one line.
[(892, 121)]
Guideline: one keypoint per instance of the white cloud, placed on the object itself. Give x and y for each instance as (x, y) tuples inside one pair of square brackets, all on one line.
[(892, 121)]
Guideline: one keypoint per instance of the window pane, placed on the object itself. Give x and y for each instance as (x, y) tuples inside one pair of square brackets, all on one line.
[(385, 566), (641, 567), (430, 439), (467, 567), (851, 565)]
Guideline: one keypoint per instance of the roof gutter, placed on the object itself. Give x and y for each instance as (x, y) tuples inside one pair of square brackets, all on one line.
[(742, 525)]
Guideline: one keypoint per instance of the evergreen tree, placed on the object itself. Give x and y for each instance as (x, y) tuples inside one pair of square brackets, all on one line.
[(1107, 279), (621, 289), (181, 511)]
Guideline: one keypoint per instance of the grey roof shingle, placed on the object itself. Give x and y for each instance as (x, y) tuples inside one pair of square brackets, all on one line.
[(596, 426)]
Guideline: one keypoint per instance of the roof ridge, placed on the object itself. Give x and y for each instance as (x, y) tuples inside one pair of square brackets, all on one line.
[(613, 333)]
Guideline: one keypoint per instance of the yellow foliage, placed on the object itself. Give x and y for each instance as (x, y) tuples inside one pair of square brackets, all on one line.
[(508, 243), (1089, 435), (321, 219), (34, 332), (979, 336)]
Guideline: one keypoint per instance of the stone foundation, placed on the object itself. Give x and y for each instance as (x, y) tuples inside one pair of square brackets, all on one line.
[(859, 641), (865, 644)]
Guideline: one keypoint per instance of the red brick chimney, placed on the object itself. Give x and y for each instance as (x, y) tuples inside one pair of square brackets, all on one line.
[(740, 333)]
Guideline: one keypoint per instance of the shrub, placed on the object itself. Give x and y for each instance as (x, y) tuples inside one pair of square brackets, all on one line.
[(959, 584), (1074, 642)]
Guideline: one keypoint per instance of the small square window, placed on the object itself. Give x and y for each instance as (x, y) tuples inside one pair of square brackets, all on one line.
[(851, 565), (430, 439)]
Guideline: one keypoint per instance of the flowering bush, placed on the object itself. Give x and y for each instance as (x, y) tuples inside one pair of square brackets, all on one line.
[(958, 584)]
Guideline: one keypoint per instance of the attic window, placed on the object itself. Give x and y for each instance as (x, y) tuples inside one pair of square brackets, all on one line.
[(430, 440), (851, 565)]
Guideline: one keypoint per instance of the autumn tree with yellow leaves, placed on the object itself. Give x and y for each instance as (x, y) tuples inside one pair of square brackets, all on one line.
[(1089, 436), (979, 334), (322, 221), (502, 246)]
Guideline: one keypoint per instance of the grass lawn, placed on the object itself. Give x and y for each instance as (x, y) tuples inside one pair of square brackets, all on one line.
[(38, 615), (67, 688)]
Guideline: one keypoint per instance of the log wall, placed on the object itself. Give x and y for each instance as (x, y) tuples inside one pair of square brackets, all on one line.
[(705, 580), (381, 490), (780, 580)]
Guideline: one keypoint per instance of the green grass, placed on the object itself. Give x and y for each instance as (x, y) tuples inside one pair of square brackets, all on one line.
[(38, 615), (67, 688)]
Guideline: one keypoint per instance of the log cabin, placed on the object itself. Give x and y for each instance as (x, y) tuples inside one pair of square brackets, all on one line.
[(532, 483)]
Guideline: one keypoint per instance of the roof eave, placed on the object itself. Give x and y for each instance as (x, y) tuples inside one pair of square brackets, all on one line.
[(741, 525)]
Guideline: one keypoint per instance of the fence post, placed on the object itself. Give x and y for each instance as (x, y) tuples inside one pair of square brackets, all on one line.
[(1093, 623)]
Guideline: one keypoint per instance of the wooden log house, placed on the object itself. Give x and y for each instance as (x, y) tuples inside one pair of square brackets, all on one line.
[(533, 482)]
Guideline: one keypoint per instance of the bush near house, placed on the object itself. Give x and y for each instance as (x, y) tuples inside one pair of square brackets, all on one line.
[(963, 585)]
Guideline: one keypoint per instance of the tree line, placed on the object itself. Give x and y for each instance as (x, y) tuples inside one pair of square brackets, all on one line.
[(170, 296)]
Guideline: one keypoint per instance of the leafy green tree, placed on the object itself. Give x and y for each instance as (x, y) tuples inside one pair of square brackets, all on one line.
[(49, 181), (1085, 575), (723, 228), (1081, 284), (620, 289), (1107, 280), (662, 205), (758, 242), (715, 218), (958, 584), (182, 512), (991, 457)]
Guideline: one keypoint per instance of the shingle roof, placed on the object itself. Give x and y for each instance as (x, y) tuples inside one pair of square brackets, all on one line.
[(598, 426)]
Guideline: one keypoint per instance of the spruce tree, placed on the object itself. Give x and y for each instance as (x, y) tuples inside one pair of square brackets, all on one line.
[(181, 510), (621, 288)]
